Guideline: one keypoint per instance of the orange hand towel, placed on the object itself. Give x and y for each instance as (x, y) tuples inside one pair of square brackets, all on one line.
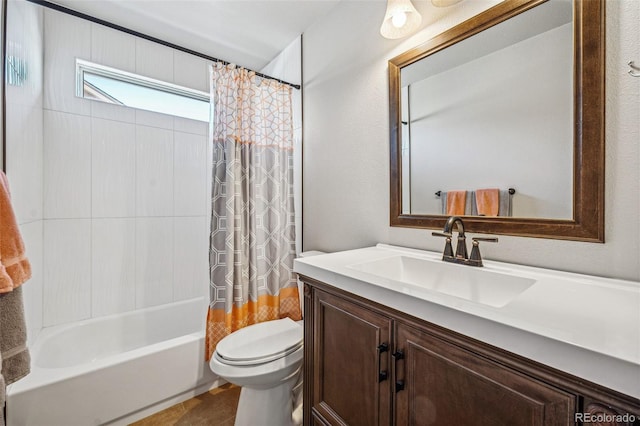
[(456, 201), (14, 265), (488, 201)]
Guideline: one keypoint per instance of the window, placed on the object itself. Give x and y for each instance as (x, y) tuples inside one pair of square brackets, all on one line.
[(101, 83)]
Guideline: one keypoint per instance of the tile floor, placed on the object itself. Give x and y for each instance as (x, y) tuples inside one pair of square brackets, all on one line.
[(214, 408)]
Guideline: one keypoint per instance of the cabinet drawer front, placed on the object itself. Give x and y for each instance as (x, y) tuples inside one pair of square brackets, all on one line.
[(348, 388), (446, 384)]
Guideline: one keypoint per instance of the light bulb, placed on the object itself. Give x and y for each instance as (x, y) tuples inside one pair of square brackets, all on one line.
[(399, 19)]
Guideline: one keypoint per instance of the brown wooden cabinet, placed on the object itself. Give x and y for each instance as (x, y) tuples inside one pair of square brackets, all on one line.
[(367, 364), (350, 359), (446, 384)]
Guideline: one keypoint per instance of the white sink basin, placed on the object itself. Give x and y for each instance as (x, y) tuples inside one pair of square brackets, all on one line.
[(552, 317), (475, 284)]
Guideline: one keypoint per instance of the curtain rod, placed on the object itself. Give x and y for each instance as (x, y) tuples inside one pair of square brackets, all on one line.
[(75, 13)]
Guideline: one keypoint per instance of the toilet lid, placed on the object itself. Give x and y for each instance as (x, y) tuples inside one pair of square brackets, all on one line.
[(260, 343)]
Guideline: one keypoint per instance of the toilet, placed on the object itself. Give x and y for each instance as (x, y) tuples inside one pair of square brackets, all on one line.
[(265, 359)]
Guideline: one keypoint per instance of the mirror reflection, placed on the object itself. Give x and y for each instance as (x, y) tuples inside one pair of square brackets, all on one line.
[(489, 114)]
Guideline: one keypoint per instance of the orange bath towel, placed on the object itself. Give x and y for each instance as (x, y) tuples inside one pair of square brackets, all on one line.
[(14, 265), (488, 201), (456, 201)]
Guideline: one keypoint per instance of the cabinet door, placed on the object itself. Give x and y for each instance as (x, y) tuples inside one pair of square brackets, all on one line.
[(447, 385), (350, 363)]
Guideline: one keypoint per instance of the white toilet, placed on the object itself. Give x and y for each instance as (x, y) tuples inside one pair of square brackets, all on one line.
[(266, 360)]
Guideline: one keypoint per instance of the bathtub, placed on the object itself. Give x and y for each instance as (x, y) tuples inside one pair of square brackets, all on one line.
[(114, 370)]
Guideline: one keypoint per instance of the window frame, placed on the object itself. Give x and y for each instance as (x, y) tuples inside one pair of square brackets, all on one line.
[(85, 67)]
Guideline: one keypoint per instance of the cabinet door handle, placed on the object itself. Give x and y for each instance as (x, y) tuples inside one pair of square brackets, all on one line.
[(382, 374), (397, 356)]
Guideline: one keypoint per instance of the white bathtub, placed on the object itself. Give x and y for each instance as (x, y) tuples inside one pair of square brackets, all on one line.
[(115, 369)]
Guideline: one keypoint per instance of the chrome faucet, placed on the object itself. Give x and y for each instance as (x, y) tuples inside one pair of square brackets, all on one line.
[(461, 248)]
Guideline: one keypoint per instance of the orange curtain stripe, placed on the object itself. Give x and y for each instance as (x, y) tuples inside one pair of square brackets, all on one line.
[(266, 308)]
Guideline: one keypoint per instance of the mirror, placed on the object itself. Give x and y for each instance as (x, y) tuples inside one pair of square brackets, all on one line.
[(511, 99)]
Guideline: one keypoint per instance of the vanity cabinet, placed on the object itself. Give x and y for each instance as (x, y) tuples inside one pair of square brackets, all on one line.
[(350, 357), (447, 384), (367, 364)]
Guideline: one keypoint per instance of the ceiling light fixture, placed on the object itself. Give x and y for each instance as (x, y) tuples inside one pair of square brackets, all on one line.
[(400, 20)]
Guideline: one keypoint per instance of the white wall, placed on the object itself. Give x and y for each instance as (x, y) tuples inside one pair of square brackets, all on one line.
[(346, 160), (24, 145)]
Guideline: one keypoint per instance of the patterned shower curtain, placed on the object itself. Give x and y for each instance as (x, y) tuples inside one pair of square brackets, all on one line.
[(252, 244)]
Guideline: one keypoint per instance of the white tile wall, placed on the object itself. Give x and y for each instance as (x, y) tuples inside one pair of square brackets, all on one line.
[(24, 36), (113, 266), (25, 27), (191, 257), (67, 270), (154, 261), (66, 38), (113, 168), (67, 165), (154, 60), (154, 119), (24, 145), (113, 48), (25, 161), (154, 172), (32, 235), (113, 112), (190, 174), (190, 71), (186, 125)]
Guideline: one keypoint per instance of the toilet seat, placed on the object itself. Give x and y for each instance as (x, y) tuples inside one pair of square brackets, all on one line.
[(260, 343)]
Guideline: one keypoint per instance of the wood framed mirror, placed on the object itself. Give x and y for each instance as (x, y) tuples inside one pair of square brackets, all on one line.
[(583, 218)]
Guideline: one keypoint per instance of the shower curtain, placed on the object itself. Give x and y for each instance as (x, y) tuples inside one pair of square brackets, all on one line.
[(252, 244)]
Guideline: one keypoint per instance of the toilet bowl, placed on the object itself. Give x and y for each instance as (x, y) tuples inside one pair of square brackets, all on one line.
[(265, 359)]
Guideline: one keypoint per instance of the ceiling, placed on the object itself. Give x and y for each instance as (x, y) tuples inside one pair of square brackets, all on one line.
[(246, 32)]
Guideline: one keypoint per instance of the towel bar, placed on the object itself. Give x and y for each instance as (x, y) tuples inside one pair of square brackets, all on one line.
[(511, 192)]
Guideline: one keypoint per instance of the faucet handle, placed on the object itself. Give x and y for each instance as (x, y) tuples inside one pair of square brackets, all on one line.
[(448, 249), (485, 239), (475, 259), (442, 234)]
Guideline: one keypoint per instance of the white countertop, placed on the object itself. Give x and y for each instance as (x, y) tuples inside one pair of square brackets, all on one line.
[(584, 325)]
